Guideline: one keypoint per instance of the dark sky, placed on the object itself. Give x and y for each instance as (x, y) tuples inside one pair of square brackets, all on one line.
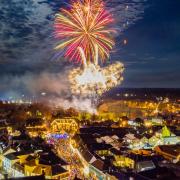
[(151, 56)]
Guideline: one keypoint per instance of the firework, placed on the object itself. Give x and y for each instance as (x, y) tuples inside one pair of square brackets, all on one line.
[(85, 36), (84, 25), (95, 80)]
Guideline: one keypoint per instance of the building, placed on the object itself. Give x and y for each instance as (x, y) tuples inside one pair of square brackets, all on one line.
[(161, 137), (142, 162), (157, 121), (48, 164), (64, 124), (123, 162), (50, 172), (169, 137), (12, 162), (20, 164), (35, 126), (32, 157)]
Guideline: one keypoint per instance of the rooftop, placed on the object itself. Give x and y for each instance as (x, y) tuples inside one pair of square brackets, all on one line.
[(50, 158), (11, 156), (57, 170), (171, 149), (159, 173)]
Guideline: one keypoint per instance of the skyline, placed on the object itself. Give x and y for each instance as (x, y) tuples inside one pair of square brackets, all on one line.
[(150, 56)]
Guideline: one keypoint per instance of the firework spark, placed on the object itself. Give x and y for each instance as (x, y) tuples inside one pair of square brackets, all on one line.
[(84, 25)]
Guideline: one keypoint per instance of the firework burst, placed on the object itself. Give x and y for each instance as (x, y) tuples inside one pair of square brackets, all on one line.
[(86, 25), (95, 80)]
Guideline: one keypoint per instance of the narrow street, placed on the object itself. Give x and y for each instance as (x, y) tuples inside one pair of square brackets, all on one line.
[(64, 150)]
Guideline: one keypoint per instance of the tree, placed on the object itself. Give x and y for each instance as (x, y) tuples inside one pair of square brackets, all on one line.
[(71, 112)]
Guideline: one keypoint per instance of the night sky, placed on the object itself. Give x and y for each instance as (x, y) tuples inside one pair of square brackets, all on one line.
[(151, 56)]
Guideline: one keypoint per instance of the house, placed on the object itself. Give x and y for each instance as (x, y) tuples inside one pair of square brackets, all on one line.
[(155, 141), (129, 138), (144, 140), (171, 140), (49, 171), (35, 126), (32, 163), (22, 138), (157, 121), (123, 161), (48, 164), (168, 136), (17, 170), (12, 161), (8, 161), (142, 162)]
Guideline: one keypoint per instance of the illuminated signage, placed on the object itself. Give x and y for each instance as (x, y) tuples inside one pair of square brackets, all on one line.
[(59, 136)]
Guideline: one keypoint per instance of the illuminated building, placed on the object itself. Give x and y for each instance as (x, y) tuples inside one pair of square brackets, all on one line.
[(161, 137), (12, 162), (64, 124), (35, 127), (168, 137), (50, 172), (165, 132), (18, 170), (46, 163), (20, 164), (123, 161), (157, 121), (102, 151), (29, 157), (155, 141), (144, 140), (8, 161)]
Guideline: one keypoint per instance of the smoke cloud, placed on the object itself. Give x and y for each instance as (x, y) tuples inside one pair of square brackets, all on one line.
[(34, 84), (81, 104), (53, 88)]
